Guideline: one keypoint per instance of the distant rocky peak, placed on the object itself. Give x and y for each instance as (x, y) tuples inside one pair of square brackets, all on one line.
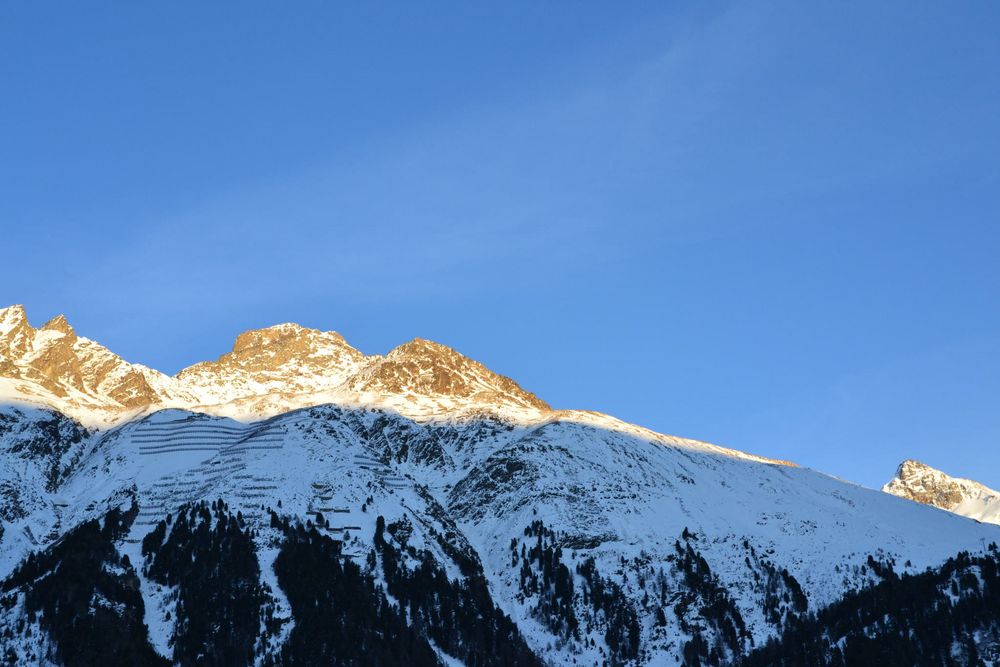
[(79, 372), (911, 468), (289, 336), (59, 323), (921, 483), (421, 348), (284, 359), (16, 334), (423, 367), (278, 334), (12, 316), (915, 473), (281, 345)]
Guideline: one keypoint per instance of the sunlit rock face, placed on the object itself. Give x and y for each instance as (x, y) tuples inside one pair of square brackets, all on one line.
[(75, 374), (268, 371), (425, 368), (285, 358), (924, 484)]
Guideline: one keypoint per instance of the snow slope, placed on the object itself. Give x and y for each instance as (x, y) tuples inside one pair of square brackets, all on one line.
[(615, 493)]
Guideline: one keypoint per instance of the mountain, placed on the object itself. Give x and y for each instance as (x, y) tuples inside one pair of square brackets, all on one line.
[(54, 366), (283, 359), (299, 502), (268, 371), (923, 484)]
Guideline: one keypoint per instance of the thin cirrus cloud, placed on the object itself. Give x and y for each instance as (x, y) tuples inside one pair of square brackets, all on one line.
[(724, 125), (549, 184)]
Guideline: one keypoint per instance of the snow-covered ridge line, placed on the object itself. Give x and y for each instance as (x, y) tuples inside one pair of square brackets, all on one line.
[(267, 372), (270, 372)]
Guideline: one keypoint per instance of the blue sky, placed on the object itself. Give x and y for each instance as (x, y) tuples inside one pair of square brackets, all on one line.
[(774, 226)]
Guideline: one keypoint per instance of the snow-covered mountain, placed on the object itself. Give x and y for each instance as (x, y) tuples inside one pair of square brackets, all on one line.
[(438, 503), (924, 484), (53, 366), (268, 371)]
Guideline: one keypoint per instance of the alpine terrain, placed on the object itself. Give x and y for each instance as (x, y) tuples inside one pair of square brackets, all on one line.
[(297, 502), (919, 482)]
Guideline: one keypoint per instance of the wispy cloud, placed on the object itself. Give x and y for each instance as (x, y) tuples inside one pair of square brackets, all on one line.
[(682, 144)]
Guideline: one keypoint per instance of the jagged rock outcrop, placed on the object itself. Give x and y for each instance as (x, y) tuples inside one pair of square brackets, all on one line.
[(425, 368), (75, 374), (284, 359), (15, 333), (923, 484)]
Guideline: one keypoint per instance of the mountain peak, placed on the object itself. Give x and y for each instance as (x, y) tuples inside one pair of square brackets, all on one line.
[(283, 343), (279, 334), (923, 484), (59, 323), (911, 467), (284, 358), (426, 368), (16, 334), (13, 314), (422, 346)]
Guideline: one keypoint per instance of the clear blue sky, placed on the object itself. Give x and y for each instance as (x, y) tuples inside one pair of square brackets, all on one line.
[(774, 226)]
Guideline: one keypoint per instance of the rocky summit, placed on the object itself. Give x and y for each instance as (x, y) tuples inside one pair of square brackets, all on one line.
[(924, 484)]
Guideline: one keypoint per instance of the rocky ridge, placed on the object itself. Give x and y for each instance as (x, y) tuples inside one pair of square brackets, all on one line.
[(73, 373), (268, 371)]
